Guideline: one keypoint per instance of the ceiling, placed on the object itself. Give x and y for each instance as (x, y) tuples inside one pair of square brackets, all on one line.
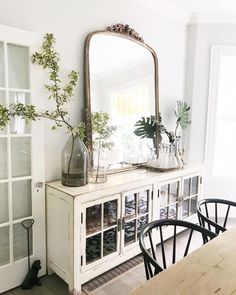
[(183, 9)]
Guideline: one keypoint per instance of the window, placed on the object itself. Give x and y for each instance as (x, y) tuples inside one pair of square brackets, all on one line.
[(221, 144)]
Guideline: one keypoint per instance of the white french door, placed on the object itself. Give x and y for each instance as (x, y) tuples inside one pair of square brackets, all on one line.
[(21, 163)]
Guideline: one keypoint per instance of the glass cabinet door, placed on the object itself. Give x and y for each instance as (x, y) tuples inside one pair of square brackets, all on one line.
[(136, 214), (101, 230), (190, 196), (169, 199)]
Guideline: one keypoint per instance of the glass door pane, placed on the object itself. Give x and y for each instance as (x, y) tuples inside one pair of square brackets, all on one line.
[(2, 76), (93, 248), (2, 102), (174, 192), (20, 242), (2, 97), (93, 219), (164, 195), (4, 209), (194, 185), (19, 125), (110, 214), (130, 232), (185, 208), (130, 205), (21, 156), (193, 206), (3, 158), (187, 187), (4, 245), (190, 195), (109, 241), (142, 221), (21, 199), (143, 202), (18, 66)]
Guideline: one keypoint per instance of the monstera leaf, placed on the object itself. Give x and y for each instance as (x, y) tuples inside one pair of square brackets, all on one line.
[(182, 114), (147, 127)]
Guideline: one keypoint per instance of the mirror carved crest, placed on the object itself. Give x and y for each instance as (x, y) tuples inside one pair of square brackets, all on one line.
[(121, 79), (125, 29)]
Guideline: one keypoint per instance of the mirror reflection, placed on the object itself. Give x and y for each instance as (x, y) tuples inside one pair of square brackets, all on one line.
[(122, 84)]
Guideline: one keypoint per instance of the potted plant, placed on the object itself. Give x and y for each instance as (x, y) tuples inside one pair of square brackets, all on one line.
[(74, 155), (147, 128)]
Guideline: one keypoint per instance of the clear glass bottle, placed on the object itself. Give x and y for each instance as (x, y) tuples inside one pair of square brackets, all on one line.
[(74, 162), (172, 160)]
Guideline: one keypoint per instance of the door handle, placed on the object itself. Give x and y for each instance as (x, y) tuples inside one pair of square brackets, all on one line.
[(39, 184)]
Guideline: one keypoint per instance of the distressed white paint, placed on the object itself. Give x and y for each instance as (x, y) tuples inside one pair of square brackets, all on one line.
[(66, 226)]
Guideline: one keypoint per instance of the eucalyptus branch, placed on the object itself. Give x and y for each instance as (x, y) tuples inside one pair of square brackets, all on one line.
[(102, 131), (49, 59)]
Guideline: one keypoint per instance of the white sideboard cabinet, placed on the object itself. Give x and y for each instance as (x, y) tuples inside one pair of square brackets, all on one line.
[(93, 228)]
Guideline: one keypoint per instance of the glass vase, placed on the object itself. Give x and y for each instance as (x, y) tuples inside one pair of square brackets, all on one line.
[(98, 169), (74, 162), (177, 145)]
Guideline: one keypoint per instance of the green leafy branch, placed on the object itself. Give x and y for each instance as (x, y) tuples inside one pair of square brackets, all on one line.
[(49, 60), (102, 131)]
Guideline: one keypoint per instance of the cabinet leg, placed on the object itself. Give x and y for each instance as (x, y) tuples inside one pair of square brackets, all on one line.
[(74, 292)]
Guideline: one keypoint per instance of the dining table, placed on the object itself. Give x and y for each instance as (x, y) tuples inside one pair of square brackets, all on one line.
[(211, 269)]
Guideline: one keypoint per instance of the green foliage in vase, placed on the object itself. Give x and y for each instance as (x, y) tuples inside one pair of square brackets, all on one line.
[(102, 131), (149, 126), (162, 129), (182, 114), (146, 127), (49, 60)]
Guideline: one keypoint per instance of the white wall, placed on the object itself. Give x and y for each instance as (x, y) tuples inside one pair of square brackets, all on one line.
[(200, 38), (72, 20)]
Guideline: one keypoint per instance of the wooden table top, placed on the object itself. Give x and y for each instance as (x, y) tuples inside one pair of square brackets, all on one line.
[(210, 269)]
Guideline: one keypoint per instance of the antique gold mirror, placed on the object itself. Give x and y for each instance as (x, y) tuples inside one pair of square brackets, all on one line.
[(121, 76)]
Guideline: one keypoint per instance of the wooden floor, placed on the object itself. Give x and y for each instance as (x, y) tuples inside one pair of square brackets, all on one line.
[(53, 285), (121, 285)]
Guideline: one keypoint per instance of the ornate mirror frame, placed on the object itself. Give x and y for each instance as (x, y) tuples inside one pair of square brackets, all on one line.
[(122, 31)]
